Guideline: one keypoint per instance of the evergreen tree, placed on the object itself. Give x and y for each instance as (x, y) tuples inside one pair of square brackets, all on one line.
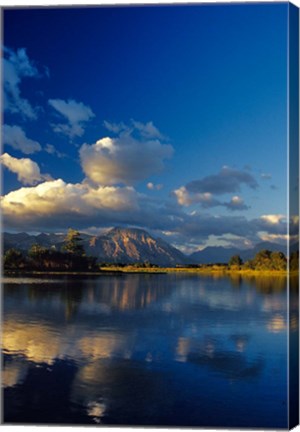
[(73, 243)]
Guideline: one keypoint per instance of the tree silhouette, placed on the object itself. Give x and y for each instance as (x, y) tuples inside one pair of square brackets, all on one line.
[(235, 260), (13, 259), (294, 261)]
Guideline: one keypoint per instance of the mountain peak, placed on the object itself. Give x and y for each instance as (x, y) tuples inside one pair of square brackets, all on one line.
[(131, 245), (128, 231)]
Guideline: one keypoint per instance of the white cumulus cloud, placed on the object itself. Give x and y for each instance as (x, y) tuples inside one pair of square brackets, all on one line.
[(16, 138), (124, 159), (76, 114), (28, 171)]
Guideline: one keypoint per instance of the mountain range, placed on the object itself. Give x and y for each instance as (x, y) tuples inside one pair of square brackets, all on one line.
[(131, 245), (219, 254)]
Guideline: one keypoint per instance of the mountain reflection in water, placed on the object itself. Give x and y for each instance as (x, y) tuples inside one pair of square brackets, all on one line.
[(184, 350)]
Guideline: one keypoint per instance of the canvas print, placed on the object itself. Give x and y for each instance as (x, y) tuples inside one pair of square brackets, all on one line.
[(149, 206)]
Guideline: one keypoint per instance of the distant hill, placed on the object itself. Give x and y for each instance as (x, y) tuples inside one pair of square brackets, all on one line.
[(213, 254), (24, 241), (219, 254)]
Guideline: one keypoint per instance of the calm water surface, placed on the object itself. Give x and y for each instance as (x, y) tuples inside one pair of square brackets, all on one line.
[(145, 350)]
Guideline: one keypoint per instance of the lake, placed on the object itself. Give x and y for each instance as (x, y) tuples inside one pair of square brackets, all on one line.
[(145, 349)]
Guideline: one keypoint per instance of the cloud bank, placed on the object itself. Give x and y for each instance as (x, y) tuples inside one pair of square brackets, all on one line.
[(58, 203)]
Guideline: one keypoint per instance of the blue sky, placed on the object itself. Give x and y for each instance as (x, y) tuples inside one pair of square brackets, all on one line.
[(167, 118)]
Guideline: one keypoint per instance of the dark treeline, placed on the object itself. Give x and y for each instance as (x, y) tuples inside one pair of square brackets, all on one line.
[(266, 260), (71, 257)]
